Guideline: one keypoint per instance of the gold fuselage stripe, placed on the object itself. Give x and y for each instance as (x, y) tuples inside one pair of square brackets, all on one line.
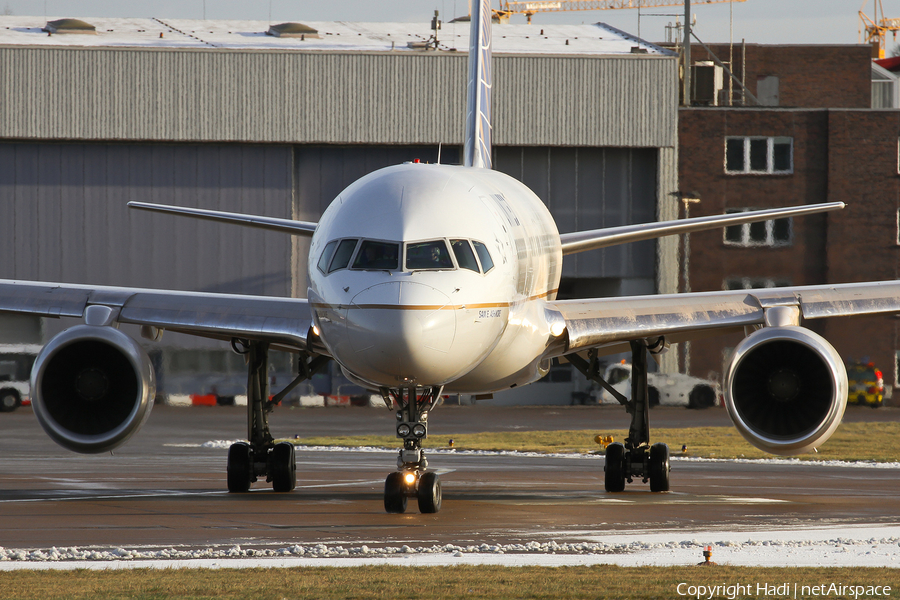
[(427, 306)]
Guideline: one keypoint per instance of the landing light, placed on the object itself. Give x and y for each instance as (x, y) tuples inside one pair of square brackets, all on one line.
[(409, 478), (403, 430), (418, 430)]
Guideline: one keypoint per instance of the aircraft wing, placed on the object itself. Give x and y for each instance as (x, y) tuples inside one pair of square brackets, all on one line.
[(300, 228), (281, 321), (580, 241), (610, 322)]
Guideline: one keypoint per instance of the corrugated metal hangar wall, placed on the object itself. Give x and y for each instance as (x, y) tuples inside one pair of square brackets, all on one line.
[(84, 130)]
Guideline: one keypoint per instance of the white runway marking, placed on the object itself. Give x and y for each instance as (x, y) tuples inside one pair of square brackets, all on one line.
[(89, 496)]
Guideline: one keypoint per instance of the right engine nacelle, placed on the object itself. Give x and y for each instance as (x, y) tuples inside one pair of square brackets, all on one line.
[(92, 388), (786, 389)]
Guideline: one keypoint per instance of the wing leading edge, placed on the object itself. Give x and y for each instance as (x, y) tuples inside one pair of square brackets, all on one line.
[(301, 228), (611, 321), (285, 322), (580, 241)]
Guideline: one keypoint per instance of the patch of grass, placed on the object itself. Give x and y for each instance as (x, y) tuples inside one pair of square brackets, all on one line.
[(851, 442), (488, 582)]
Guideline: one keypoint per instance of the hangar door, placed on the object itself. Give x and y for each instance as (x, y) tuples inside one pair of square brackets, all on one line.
[(64, 217)]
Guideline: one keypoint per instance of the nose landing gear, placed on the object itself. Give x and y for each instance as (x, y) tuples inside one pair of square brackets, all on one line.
[(412, 479)]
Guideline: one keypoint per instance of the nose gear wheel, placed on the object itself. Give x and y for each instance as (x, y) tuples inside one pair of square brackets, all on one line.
[(412, 479)]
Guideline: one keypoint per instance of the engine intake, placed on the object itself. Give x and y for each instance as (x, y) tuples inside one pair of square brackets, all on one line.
[(92, 388), (786, 389)]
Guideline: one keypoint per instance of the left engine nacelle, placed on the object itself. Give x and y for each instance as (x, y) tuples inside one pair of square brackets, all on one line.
[(786, 389), (92, 388)]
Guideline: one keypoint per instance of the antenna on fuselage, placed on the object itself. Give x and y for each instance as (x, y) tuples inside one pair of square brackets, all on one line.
[(477, 151)]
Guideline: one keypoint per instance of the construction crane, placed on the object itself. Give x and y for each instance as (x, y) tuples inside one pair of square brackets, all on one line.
[(529, 8), (876, 28)]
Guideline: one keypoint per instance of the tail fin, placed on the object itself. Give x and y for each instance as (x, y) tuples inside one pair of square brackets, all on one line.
[(478, 111)]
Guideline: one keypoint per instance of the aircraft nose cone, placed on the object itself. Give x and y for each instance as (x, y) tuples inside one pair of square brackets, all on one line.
[(402, 332)]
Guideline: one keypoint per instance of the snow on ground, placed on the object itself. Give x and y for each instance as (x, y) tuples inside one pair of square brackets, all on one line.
[(225, 444), (845, 546)]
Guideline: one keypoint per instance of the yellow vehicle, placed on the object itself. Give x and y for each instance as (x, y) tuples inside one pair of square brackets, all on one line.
[(866, 385)]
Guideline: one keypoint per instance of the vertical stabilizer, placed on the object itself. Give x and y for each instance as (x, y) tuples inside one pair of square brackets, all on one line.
[(478, 108)]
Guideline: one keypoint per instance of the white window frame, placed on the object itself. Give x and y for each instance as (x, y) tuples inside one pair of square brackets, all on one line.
[(770, 155), (896, 369), (770, 241), (747, 283), (897, 240)]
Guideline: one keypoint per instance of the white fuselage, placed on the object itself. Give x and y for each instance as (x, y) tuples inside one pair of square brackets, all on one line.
[(399, 299)]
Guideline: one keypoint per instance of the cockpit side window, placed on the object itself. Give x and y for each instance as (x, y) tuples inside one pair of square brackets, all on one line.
[(326, 255), (484, 256), (378, 256), (465, 258), (343, 254), (428, 255)]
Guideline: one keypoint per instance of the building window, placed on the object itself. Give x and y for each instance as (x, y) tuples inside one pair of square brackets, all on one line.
[(751, 283), (760, 155), (777, 232)]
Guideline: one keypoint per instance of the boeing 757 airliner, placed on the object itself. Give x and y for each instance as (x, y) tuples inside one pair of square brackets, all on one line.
[(430, 279)]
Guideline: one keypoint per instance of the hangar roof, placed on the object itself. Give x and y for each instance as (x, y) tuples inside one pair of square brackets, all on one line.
[(596, 39)]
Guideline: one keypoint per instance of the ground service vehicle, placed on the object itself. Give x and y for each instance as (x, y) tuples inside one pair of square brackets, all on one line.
[(866, 385), (666, 389), (16, 361)]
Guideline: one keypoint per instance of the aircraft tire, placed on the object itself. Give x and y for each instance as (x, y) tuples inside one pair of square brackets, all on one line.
[(284, 467), (429, 493), (614, 468), (659, 468), (395, 493), (240, 462)]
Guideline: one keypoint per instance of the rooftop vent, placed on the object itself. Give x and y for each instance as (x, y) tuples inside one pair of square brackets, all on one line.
[(69, 26), (468, 19), (293, 30)]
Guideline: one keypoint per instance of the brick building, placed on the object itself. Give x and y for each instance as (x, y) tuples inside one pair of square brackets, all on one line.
[(798, 76), (827, 146)]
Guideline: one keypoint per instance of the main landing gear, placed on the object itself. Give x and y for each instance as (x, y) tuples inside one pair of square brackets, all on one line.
[(262, 457), (412, 479), (636, 457)]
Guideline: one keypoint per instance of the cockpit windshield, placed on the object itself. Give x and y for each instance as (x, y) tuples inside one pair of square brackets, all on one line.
[(428, 255), (378, 255), (484, 256), (465, 258), (342, 256)]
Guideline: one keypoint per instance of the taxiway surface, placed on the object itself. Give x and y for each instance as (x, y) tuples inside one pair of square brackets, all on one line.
[(164, 489)]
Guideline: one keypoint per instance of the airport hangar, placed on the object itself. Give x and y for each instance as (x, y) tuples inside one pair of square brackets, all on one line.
[(247, 117)]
